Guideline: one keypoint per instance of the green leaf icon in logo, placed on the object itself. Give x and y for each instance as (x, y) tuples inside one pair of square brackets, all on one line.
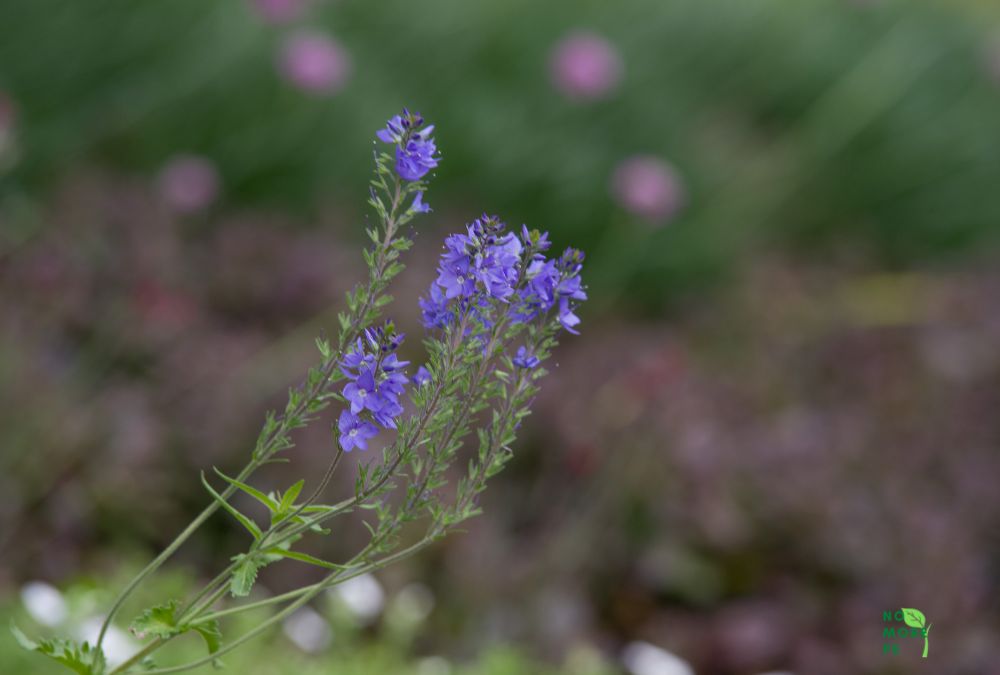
[(914, 618)]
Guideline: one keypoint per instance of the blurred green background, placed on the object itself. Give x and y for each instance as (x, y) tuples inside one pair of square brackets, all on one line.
[(779, 420)]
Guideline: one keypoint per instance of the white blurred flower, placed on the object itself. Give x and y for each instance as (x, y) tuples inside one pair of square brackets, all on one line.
[(642, 658), (413, 604), (44, 603), (308, 630), (117, 645), (363, 595)]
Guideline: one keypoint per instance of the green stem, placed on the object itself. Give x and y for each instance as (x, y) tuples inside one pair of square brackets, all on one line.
[(169, 551), (926, 640), (307, 594), (346, 337), (140, 655)]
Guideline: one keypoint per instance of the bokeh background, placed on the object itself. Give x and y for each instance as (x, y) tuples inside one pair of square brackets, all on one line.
[(781, 418)]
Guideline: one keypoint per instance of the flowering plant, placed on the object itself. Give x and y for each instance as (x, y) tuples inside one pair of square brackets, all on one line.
[(492, 317)]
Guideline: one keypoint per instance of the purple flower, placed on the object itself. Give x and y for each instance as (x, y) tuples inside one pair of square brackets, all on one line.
[(389, 409), (457, 279), (552, 281), (356, 359), (315, 63), (566, 316), (434, 308), (525, 358), (649, 188), (539, 240), (354, 432), (392, 363), (418, 205), (392, 385), (415, 149), (415, 159), (377, 375), (585, 66), (396, 127), (484, 260), (422, 377), (362, 393)]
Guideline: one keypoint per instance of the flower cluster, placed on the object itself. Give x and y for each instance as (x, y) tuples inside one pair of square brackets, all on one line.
[(475, 388), (416, 153), (488, 263), (554, 282), (482, 264), (377, 379)]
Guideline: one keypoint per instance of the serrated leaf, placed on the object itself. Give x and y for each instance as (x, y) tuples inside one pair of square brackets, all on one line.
[(250, 490), (246, 522), (244, 575), (914, 618), (159, 621), (81, 659)]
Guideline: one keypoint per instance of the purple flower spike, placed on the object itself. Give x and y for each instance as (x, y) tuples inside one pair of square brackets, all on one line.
[(355, 432)]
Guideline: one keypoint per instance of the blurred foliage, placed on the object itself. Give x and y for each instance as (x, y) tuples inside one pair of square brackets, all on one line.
[(811, 122), (739, 485), (349, 653)]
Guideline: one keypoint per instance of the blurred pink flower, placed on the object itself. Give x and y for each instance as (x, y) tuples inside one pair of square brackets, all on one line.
[(585, 66), (280, 11), (189, 183), (315, 63), (648, 187)]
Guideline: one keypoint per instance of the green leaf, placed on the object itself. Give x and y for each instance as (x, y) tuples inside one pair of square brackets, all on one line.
[(212, 635), (250, 490), (22, 639), (913, 618), (290, 495), (159, 621), (244, 575), (247, 523), (306, 558), (81, 659)]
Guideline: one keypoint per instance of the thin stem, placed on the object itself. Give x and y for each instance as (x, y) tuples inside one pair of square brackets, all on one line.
[(169, 551), (307, 594), (207, 604), (207, 588), (140, 655), (312, 498), (267, 448)]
